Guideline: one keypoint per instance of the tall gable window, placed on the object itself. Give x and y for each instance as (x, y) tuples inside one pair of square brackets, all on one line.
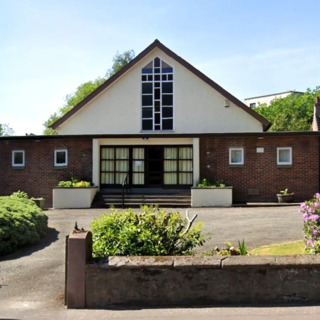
[(157, 96)]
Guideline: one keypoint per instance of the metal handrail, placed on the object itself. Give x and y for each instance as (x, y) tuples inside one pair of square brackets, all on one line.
[(124, 183)]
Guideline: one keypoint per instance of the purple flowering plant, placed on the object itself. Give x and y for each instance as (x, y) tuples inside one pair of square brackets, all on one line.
[(311, 223)]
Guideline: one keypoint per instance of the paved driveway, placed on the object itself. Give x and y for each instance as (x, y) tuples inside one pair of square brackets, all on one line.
[(33, 278)]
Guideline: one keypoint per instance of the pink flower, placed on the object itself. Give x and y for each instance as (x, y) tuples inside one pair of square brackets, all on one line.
[(316, 205), (314, 217), (303, 206)]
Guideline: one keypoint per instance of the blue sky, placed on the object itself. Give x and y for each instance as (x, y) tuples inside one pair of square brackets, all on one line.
[(250, 48)]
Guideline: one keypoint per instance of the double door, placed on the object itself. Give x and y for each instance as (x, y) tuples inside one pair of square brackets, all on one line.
[(147, 166)]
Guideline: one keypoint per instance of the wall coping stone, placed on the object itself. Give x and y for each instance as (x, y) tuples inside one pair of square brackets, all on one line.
[(212, 187), (213, 262), (75, 188), (312, 260), (138, 261), (247, 262), (130, 262), (207, 262)]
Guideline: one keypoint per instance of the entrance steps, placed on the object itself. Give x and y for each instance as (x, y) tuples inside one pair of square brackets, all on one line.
[(135, 200)]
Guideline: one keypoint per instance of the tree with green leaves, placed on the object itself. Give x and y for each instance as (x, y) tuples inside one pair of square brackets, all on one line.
[(5, 130), (292, 113), (119, 61)]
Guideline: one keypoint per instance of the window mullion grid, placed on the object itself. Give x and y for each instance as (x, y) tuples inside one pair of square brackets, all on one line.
[(160, 101), (177, 164), (157, 119), (153, 95)]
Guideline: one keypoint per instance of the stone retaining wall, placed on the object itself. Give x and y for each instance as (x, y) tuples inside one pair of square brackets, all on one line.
[(191, 281)]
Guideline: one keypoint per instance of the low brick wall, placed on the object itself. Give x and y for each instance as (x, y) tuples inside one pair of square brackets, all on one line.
[(195, 281)]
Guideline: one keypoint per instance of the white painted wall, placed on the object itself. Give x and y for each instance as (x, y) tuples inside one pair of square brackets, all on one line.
[(68, 198), (198, 108), (211, 197)]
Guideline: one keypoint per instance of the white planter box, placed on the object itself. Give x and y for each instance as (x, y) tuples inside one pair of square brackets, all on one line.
[(211, 197), (69, 198)]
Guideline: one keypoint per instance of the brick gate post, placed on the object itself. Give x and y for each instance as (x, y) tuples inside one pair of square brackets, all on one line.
[(79, 251)]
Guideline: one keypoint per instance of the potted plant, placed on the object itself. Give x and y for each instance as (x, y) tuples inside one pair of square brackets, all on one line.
[(40, 202), (285, 196)]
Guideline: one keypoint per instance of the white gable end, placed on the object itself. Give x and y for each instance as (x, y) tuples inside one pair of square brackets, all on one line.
[(197, 107)]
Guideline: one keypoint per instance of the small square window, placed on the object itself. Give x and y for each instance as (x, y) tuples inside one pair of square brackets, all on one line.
[(60, 158), (18, 158), (284, 156), (236, 156)]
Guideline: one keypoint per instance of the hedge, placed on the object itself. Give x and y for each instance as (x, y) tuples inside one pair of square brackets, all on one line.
[(22, 222)]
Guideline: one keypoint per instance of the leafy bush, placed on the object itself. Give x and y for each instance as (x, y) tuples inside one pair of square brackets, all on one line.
[(20, 194), (311, 224), (74, 183), (152, 232), (21, 223), (65, 184)]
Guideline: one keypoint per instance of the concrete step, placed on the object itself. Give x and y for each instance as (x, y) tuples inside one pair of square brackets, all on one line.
[(136, 200)]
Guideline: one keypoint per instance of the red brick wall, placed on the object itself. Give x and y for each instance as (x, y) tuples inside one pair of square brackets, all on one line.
[(259, 179), (39, 175), (260, 172)]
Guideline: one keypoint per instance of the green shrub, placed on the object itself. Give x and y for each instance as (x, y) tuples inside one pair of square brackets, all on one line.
[(74, 183), (21, 223), (65, 184), (206, 183), (152, 232), (20, 194)]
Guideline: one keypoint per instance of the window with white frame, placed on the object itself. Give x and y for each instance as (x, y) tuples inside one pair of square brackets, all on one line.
[(236, 156), (60, 157), (18, 158), (284, 156), (157, 96)]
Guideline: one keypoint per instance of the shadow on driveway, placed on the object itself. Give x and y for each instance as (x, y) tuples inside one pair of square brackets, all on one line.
[(51, 237)]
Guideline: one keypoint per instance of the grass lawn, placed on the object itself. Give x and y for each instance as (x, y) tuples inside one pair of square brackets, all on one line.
[(286, 248)]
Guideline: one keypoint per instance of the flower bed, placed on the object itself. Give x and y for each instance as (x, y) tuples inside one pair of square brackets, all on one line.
[(69, 198), (311, 223), (211, 197), (73, 194)]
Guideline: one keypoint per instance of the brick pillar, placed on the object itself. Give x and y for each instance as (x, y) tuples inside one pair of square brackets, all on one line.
[(79, 251)]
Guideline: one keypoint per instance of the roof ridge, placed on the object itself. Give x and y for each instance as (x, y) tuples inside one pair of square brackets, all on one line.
[(157, 44)]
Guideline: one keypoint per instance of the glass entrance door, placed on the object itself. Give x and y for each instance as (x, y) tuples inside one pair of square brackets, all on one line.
[(147, 166), (154, 173)]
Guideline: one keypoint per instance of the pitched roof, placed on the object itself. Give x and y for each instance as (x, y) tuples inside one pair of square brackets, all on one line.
[(157, 44)]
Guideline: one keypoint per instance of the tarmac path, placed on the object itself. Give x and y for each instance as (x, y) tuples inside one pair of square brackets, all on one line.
[(32, 279)]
